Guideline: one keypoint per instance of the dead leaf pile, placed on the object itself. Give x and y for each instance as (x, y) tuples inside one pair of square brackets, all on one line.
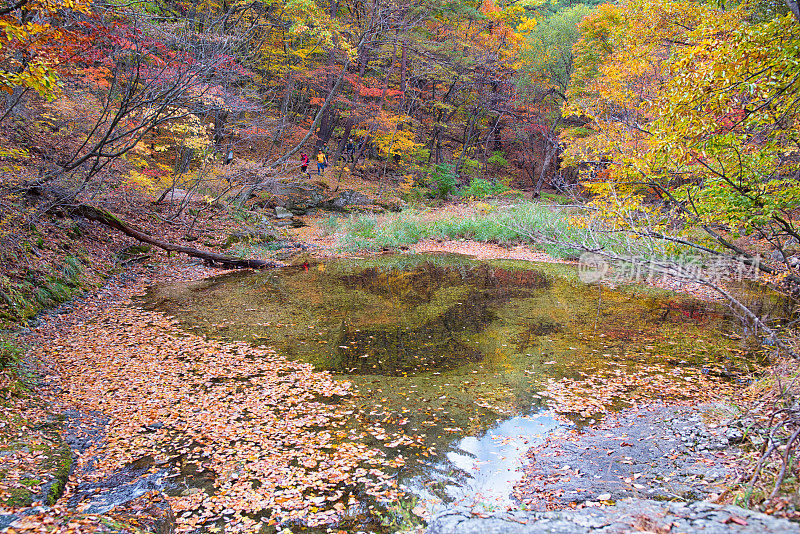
[(266, 428), (607, 389)]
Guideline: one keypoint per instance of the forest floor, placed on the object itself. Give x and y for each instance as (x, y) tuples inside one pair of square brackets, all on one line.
[(182, 405)]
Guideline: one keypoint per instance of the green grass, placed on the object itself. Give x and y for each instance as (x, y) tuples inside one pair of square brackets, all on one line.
[(499, 224), (21, 299), (10, 353)]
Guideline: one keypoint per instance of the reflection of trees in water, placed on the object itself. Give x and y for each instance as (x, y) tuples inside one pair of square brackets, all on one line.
[(407, 327), (420, 284), (540, 326), (434, 345)]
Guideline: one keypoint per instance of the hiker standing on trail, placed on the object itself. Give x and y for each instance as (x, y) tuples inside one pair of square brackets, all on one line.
[(362, 147), (304, 163), (322, 162), (350, 150)]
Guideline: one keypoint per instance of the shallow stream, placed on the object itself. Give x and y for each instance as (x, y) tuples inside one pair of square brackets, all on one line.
[(451, 353)]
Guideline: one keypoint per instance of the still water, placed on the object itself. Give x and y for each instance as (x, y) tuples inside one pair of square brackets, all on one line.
[(449, 352)]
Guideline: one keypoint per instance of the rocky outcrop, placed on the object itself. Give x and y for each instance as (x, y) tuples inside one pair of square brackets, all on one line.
[(652, 452), (300, 196), (629, 515)]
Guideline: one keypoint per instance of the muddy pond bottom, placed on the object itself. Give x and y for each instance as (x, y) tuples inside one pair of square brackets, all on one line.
[(460, 366)]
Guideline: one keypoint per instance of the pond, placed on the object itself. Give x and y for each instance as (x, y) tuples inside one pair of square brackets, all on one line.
[(454, 354)]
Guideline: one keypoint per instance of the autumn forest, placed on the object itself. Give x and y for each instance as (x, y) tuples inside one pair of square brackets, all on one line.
[(385, 266)]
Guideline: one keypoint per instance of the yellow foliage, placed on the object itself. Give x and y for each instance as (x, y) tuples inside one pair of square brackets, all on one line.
[(406, 184), (35, 69), (526, 26), (392, 134)]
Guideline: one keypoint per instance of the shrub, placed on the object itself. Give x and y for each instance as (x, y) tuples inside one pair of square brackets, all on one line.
[(482, 188), (443, 180), (556, 199), (497, 159), (470, 166)]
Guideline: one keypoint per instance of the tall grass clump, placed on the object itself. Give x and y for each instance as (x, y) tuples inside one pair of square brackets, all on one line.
[(330, 225), (546, 226), (370, 232)]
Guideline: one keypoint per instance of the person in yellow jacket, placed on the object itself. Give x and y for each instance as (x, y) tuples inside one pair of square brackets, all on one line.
[(322, 162)]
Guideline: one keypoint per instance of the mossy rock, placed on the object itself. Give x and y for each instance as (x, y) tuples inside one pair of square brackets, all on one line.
[(135, 250), (60, 462), (19, 498)]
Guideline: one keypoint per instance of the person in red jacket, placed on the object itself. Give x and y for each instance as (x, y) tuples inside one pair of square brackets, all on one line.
[(304, 163)]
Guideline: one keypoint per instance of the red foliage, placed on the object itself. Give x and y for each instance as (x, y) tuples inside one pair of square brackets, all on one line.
[(731, 120)]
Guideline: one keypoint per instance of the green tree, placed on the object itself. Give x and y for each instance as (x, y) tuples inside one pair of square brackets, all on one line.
[(547, 57)]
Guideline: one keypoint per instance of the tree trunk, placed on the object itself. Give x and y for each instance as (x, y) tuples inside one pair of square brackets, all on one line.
[(316, 122), (467, 142), (212, 258), (287, 96), (348, 126), (552, 149), (403, 71), (220, 120), (794, 8), (389, 72)]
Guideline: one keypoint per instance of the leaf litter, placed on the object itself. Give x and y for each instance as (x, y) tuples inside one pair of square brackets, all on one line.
[(269, 431)]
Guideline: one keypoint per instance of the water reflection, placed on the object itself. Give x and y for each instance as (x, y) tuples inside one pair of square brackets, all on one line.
[(483, 469), (448, 353)]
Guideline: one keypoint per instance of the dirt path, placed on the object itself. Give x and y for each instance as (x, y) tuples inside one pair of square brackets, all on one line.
[(485, 251)]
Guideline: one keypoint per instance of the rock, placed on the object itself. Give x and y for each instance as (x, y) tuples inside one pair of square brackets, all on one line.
[(734, 435), (391, 204), (662, 445), (283, 213), (301, 196), (349, 197), (629, 515), (7, 519)]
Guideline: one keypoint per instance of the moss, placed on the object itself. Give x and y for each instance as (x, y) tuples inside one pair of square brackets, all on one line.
[(39, 288), (19, 497), (10, 353), (60, 461), (30, 482)]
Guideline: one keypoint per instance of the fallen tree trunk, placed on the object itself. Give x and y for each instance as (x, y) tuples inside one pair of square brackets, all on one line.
[(94, 213)]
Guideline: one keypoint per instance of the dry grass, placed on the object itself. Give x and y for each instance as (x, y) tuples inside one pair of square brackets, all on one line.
[(770, 479)]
